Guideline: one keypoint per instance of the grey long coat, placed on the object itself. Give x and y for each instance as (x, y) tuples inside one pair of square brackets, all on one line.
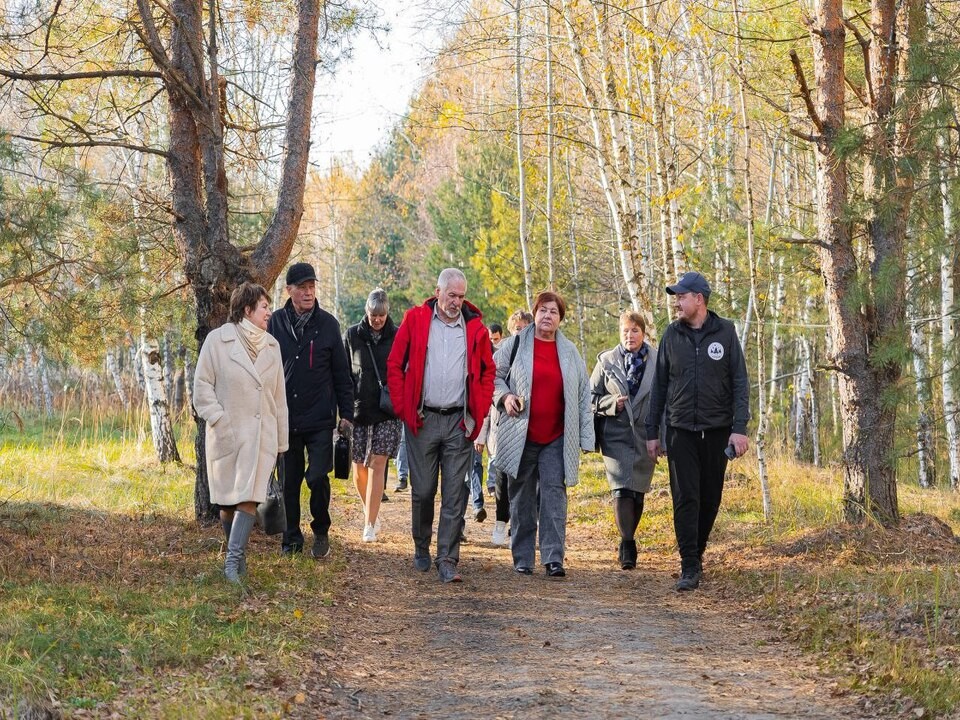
[(577, 415), (623, 439)]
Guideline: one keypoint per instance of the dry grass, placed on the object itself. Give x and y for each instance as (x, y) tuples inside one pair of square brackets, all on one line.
[(111, 598)]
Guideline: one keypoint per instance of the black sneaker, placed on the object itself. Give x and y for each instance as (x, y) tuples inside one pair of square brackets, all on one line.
[(294, 549), (689, 579), (401, 486), (321, 546), (480, 514)]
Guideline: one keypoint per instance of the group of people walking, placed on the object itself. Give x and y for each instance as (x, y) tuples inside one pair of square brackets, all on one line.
[(449, 388)]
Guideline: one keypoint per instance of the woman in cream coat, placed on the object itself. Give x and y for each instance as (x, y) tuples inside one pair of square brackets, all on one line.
[(239, 392), (620, 388)]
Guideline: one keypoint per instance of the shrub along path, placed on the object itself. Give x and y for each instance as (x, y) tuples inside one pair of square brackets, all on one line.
[(601, 643)]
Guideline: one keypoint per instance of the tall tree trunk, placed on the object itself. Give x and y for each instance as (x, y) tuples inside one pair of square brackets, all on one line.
[(164, 441), (926, 465), (678, 261), (211, 264), (521, 172), (575, 263), (548, 47), (762, 409), (776, 344), (113, 369), (864, 340), (605, 168), (950, 393)]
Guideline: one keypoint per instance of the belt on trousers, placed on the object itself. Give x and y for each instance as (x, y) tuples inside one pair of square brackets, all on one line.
[(443, 411)]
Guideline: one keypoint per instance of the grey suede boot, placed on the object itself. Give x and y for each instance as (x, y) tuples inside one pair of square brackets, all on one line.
[(227, 525), (237, 545)]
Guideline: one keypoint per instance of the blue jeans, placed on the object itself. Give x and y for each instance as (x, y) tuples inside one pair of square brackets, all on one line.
[(475, 480)]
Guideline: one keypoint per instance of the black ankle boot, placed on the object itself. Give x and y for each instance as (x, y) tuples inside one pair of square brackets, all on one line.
[(628, 554)]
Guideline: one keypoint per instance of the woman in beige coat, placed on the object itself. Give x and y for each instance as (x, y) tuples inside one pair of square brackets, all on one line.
[(239, 391)]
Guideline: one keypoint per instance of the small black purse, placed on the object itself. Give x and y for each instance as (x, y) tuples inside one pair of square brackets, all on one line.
[(271, 513), (341, 458), (386, 403)]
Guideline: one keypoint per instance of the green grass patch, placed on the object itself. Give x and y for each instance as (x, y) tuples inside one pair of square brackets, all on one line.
[(112, 598)]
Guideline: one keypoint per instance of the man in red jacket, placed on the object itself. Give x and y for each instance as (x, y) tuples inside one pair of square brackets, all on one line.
[(440, 373)]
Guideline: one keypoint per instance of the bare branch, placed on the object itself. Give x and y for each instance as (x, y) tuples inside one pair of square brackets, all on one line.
[(865, 48), (805, 92), (88, 75), (804, 136), (92, 143), (856, 91)]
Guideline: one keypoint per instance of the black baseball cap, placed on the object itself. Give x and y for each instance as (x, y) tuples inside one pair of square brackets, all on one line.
[(691, 282), (300, 273)]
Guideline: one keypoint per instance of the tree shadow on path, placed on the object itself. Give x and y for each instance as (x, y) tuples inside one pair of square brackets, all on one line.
[(603, 643)]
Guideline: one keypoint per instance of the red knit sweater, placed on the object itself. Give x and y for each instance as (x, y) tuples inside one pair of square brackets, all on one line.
[(546, 394)]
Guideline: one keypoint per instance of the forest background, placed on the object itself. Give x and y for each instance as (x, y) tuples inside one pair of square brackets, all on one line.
[(802, 156)]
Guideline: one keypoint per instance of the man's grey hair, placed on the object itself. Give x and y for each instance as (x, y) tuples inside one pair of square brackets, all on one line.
[(449, 274), (377, 302)]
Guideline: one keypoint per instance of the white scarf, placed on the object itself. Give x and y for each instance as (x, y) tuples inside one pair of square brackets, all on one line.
[(253, 338)]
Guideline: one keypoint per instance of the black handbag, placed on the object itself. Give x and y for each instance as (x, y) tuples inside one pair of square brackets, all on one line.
[(271, 513), (341, 458), (599, 423), (386, 403)]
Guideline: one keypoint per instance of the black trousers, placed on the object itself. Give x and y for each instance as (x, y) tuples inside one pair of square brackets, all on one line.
[(309, 457), (500, 492), (697, 465)]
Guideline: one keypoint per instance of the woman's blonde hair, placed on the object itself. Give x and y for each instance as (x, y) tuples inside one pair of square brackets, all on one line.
[(518, 316)]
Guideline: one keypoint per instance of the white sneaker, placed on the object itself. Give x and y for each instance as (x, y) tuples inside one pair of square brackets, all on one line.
[(500, 534), (369, 533), (376, 526)]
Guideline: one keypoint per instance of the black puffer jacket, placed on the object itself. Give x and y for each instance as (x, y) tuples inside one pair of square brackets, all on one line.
[(700, 380), (315, 368), (366, 389)]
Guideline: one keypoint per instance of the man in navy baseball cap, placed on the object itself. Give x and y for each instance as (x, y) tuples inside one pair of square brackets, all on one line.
[(690, 282), (701, 394)]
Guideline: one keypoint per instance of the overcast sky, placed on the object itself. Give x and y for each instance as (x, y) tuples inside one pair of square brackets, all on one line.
[(372, 90)]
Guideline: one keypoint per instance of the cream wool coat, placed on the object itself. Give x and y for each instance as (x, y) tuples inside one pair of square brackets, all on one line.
[(245, 407)]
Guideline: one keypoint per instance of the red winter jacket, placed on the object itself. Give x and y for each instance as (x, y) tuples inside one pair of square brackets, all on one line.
[(409, 356)]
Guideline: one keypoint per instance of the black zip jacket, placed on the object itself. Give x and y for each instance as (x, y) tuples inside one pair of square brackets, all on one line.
[(700, 380), (315, 368), (366, 389)]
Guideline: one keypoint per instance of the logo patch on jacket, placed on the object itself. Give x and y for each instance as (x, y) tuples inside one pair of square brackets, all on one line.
[(715, 351)]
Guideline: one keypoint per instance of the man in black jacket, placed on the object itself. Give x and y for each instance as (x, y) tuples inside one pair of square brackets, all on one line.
[(701, 384), (319, 384)]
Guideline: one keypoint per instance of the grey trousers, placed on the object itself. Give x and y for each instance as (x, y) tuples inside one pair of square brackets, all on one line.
[(541, 468), (439, 448)]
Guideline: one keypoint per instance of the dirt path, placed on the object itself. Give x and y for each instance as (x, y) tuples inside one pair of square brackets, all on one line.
[(602, 643)]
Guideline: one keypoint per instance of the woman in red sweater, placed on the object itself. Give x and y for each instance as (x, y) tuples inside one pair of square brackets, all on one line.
[(542, 387)]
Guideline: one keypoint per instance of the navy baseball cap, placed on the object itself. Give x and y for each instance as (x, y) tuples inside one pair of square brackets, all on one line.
[(691, 282), (300, 272)]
